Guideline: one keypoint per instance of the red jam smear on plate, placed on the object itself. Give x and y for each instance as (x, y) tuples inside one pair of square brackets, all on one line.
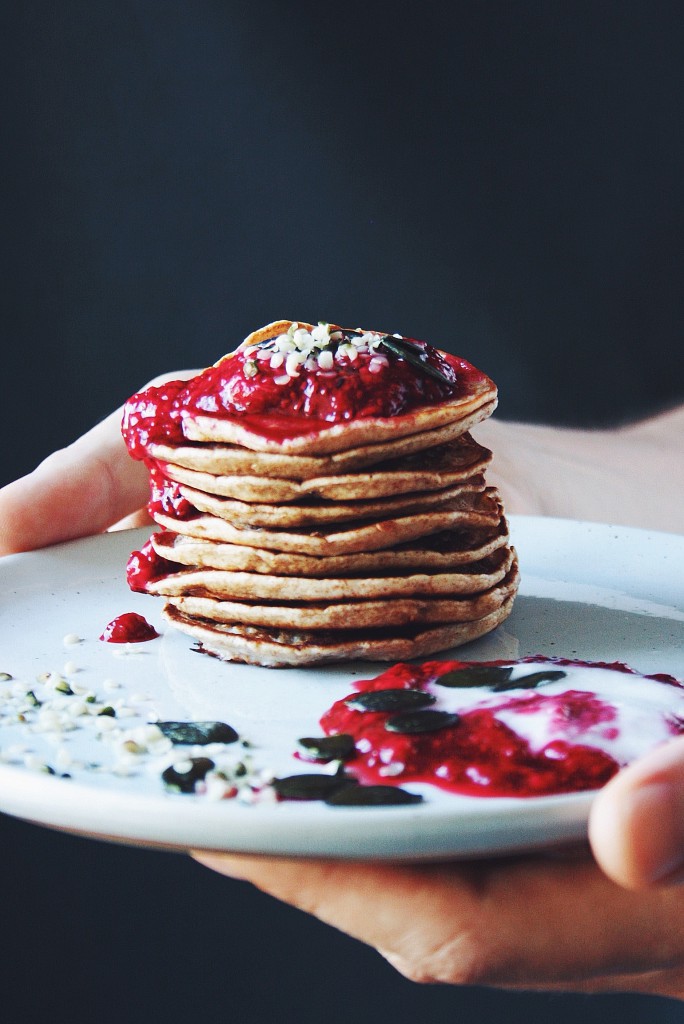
[(479, 754), (128, 628)]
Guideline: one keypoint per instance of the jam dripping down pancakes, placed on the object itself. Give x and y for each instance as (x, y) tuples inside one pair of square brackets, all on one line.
[(320, 498)]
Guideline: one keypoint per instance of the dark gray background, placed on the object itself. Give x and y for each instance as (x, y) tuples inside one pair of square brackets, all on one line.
[(502, 179)]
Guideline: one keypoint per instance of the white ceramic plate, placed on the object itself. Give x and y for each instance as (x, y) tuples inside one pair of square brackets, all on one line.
[(589, 591)]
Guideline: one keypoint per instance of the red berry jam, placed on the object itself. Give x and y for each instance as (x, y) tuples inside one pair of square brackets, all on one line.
[(269, 391), (146, 565), (153, 416), (542, 726), (129, 628), (166, 496)]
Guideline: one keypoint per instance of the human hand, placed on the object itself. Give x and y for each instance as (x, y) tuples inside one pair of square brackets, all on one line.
[(79, 490), (91, 486), (532, 922), (561, 921)]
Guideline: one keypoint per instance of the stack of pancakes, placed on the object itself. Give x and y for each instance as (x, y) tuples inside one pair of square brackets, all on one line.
[(369, 540)]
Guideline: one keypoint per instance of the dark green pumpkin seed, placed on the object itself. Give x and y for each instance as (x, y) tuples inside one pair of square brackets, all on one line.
[(328, 748), (498, 677), (372, 796), (198, 733), (310, 786), (389, 700), (475, 675), (184, 775), (530, 681), (414, 355), (421, 721)]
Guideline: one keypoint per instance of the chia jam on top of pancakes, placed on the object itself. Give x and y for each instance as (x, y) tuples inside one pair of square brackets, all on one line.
[(245, 460), (301, 380), (524, 728)]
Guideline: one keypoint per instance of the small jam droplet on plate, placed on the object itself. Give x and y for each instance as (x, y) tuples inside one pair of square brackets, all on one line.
[(129, 628)]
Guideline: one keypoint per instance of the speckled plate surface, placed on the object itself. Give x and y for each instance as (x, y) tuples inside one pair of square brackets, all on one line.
[(589, 591)]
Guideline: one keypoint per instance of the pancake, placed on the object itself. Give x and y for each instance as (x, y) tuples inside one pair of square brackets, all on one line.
[(352, 614), (350, 538), (311, 437), (280, 648), (320, 513), (220, 584), (446, 465), (320, 498), (441, 551), (361, 432), (231, 458)]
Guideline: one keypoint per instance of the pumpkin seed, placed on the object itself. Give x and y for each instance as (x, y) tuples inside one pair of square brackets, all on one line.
[(311, 786), (530, 681), (414, 355), (329, 748), (184, 775), (389, 700), (421, 721), (198, 733), (498, 677), (475, 675), (372, 796)]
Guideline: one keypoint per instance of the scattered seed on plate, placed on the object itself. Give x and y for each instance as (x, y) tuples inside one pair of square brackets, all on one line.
[(389, 700), (412, 722), (124, 710), (372, 796), (131, 747), (497, 677), (36, 764), (475, 675), (217, 786), (198, 733), (310, 786), (77, 708), (339, 747), (55, 706), (531, 681), (63, 759), (183, 776), (61, 685), (106, 724)]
